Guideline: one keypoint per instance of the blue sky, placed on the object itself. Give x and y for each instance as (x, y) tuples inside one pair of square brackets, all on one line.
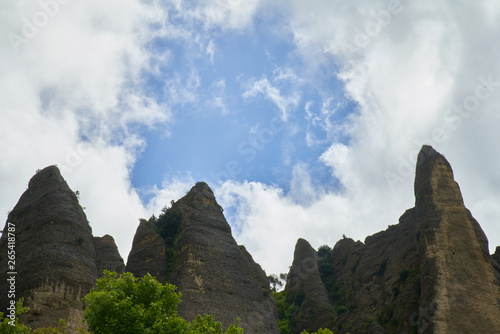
[(305, 118), (225, 133)]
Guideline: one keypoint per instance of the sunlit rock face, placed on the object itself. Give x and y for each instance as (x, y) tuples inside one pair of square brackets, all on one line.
[(431, 273)]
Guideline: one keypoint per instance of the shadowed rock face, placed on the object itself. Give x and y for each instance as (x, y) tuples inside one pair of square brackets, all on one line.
[(55, 258), (306, 289), (214, 275), (148, 252), (107, 255)]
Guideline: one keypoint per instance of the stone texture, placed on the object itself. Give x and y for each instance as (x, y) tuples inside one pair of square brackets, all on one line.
[(431, 273), (214, 275), (460, 292), (107, 255), (306, 289), (55, 258), (148, 252)]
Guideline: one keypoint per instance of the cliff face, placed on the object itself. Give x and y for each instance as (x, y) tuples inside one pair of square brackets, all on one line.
[(214, 274), (55, 258), (460, 290), (148, 252), (306, 289), (107, 256), (431, 273), (56, 261)]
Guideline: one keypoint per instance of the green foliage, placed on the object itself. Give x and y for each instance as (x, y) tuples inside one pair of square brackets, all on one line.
[(320, 331), (61, 328), (326, 270), (207, 325), (123, 304), (299, 297), (277, 283), (285, 312), (12, 326), (341, 309), (168, 226)]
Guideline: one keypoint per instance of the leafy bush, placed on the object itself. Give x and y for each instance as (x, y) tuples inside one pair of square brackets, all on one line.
[(168, 226), (123, 304), (320, 331), (12, 326)]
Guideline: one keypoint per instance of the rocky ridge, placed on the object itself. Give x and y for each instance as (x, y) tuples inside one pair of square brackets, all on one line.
[(431, 273), (214, 274)]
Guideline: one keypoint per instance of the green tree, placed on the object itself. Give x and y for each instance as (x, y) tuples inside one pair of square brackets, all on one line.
[(320, 331), (207, 325), (123, 304), (12, 326), (61, 328)]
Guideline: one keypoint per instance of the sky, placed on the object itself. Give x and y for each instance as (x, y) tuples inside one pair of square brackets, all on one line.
[(304, 117)]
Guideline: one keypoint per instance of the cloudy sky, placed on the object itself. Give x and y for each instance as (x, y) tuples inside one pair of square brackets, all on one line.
[(305, 117)]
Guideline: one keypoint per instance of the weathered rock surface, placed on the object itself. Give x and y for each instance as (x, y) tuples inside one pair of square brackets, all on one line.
[(460, 292), (306, 289), (148, 252), (214, 275), (431, 273), (55, 258), (107, 255)]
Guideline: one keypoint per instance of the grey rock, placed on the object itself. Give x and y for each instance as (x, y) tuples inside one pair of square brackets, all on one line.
[(214, 275), (54, 252), (148, 252), (107, 255)]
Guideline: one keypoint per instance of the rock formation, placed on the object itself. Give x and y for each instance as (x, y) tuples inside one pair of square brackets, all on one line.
[(55, 258), (213, 273), (460, 292), (431, 273), (148, 252), (107, 256), (306, 289)]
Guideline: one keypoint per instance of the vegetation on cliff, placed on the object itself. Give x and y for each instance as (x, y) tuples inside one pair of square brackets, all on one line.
[(124, 304), (168, 226), (121, 304)]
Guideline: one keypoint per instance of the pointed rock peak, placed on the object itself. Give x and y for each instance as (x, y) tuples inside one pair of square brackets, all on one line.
[(48, 174), (303, 247), (55, 251), (200, 196), (434, 181)]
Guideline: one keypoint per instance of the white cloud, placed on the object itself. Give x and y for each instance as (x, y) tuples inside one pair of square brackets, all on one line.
[(270, 222), (78, 80), (284, 103), (72, 92), (406, 78), (171, 190), (69, 96)]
